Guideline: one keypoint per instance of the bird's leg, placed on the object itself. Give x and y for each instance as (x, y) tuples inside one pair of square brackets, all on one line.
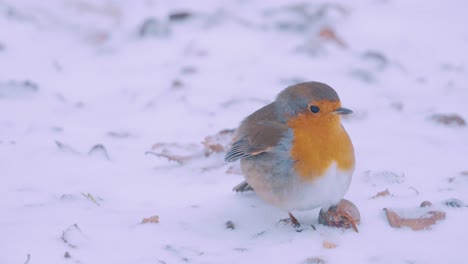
[(294, 221), (291, 220), (242, 187)]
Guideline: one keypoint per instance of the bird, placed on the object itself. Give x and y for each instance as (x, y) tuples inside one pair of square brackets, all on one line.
[(295, 154)]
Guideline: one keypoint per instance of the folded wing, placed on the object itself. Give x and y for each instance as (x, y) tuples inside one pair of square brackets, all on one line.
[(258, 133)]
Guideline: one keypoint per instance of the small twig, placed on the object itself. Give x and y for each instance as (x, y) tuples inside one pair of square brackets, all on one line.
[(414, 189), (65, 147), (100, 150), (92, 199)]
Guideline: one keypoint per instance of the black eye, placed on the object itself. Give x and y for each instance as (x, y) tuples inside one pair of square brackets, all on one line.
[(314, 109)]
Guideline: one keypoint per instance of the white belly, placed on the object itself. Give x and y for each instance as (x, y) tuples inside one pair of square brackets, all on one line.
[(290, 193), (323, 192)]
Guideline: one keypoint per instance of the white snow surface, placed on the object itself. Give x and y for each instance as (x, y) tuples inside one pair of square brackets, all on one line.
[(80, 73)]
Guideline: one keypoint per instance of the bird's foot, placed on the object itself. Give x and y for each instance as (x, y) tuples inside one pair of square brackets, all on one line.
[(343, 215), (242, 187), (292, 221)]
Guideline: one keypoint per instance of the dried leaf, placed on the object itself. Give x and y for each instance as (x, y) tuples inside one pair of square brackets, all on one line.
[(425, 204), (217, 143), (329, 34), (381, 194), (344, 215), (328, 245), (90, 197), (420, 223), (230, 225), (449, 119), (153, 220)]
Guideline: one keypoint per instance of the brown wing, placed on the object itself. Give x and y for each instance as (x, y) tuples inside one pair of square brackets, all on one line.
[(258, 133)]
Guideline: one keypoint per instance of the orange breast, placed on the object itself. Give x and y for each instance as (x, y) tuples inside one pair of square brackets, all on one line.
[(317, 143)]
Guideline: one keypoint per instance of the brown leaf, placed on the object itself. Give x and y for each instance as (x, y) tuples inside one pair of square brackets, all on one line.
[(449, 119), (329, 34), (381, 194), (217, 143), (425, 204), (344, 215), (153, 220), (328, 245), (420, 223), (184, 153)]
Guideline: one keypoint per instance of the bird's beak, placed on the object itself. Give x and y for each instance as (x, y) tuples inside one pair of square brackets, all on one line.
[(342, 111)]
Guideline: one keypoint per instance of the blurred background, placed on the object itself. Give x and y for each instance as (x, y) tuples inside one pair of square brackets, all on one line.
[(132, 64)]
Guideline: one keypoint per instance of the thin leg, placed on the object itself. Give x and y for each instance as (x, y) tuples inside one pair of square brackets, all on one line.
[(325, 216), (242, 187), (294, 221)]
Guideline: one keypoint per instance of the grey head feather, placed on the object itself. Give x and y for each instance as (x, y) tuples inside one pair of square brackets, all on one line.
[(295, 99)]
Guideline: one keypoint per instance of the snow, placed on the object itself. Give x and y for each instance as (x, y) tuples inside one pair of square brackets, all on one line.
[(78, 72)]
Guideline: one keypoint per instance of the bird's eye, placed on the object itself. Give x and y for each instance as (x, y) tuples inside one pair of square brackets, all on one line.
[(314, 109)]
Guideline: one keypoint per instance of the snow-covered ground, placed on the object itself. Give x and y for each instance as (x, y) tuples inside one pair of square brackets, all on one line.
[(138, 76)]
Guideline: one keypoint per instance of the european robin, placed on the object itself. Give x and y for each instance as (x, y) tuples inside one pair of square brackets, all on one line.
[(294, 152)]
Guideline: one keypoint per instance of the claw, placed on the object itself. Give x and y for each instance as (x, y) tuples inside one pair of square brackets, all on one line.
[(242, 187), (292, 220)]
